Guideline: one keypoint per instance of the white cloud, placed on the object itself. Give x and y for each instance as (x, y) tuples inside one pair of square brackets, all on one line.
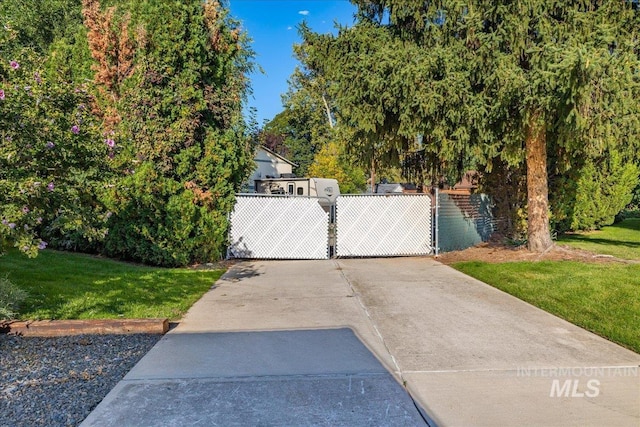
[(289, 28), (303, 12)]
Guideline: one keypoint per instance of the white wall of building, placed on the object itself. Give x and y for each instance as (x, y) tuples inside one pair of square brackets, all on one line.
[(270, 164)]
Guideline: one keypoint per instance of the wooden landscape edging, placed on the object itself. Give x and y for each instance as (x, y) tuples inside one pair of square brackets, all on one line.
[(54, 328)]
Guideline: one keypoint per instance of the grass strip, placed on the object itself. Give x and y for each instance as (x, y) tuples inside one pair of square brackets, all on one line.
[(65, 285), (620, 240)]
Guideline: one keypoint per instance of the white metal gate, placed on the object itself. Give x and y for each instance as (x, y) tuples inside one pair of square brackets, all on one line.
[(285, 227), (278, 227), (383, 225)]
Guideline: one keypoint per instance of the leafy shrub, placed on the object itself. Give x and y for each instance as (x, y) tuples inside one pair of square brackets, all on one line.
[(591, 196), (52, 158), (10, 299), (143, 162), (157, 221)]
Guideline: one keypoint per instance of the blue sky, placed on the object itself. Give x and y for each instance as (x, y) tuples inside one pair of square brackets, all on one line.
[(273, 27)]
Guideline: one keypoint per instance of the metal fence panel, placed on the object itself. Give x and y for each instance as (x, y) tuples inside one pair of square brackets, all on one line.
[(273, 227), (383, 225)]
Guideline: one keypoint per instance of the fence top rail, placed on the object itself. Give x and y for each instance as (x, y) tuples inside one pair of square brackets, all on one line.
[(285, 196)]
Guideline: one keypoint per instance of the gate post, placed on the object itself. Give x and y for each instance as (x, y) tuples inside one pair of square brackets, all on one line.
[(332, 230), (435, 222)]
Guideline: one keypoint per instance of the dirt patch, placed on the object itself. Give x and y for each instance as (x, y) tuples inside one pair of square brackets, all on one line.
[(496, 253)]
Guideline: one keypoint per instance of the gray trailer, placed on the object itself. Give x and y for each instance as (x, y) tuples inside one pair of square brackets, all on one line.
[(325, 189)]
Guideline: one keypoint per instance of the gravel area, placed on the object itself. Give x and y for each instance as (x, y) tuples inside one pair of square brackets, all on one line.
[(59, 381)]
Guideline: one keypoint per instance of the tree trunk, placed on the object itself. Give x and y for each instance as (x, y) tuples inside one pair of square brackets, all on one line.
[(373, 174), (537, 187)]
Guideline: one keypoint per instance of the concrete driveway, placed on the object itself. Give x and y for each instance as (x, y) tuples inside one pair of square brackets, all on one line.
[(467, 353)]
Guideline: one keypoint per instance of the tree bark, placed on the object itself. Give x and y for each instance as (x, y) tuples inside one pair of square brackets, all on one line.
[(328, 111), (373, 173), (539, 237)]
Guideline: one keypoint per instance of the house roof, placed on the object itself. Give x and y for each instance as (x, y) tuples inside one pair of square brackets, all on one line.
[(262, 147), (395, 187)]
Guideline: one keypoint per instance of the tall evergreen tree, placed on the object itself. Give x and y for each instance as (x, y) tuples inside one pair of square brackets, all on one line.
[(171, 79), (487, 83)]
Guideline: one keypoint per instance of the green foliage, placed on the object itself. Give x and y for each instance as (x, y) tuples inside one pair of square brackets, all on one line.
[(472, 79), (332, 162), (103, 288), (179, 139), (39, 24), (387, 91), (621, 240), (51, 161), (304, 127), (635, 199), (11, 297), (306, 132), (589, 197), (158, 138), (293, 134), (53, 30)]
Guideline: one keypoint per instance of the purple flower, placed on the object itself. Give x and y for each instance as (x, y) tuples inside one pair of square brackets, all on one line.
[(110, 142), (50, 145), (111, 155), (25, 209), (14, 65), (50, 186), (75, 129), (39, 220), (37, 78), (12, 225), (8, 138), (1, 94), (5, 222), (42, 245)]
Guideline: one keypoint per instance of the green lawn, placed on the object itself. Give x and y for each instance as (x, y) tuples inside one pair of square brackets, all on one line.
[(74, 286), (621, 240), (602, 298)]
